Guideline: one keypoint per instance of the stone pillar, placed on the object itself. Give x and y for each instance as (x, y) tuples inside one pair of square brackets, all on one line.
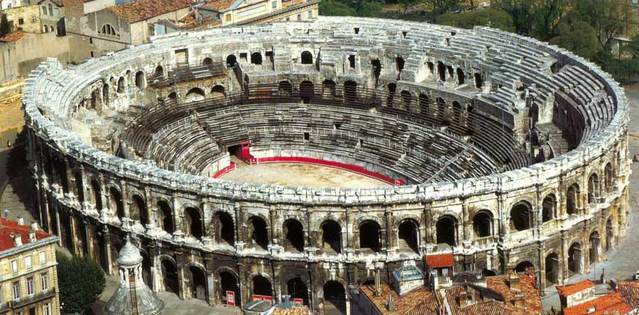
[(182, 282), (107, 245), (103, 194)]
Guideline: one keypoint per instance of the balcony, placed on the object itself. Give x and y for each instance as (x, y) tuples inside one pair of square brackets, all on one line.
[(30, 299)]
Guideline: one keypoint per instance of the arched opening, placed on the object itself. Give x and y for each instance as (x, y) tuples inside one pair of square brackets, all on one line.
[(97, 194), (525, 267), (406, 99), (593, 188), (165, 217), (457, 111), (140, 82), (482, 224), (307, 91), (461, 77), (61, 174), (79, 186), (307, 58), (408, 235), (121, 85), (441, 109), (262, 287), (224, 229), (610, 233), (198, 283), (172, 96), (207, 61), (194, 94), (218, 92), (424, 103), (479, 83), (294, 234), (608, 173), (256, 58), (431, 67), (548, 207), (115, 200), (572, 199), (105, 94), (331, 236), (159, 72), (441, 71), (139, 210), (488, 273), (328, 88), (376, 68), (258, 232), (593, 252), (334, 298), (350, 92), (574, 258), (229, 283), (146, 269), (285, 88), (193, 220), (369, 234), (552, 268), (95, 98), (445, 228), (231, 60), (170, 276), (399, 64), (297, 289), (521, 216), (392, 87)]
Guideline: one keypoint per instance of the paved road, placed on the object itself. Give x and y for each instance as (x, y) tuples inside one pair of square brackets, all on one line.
[(623, 261)]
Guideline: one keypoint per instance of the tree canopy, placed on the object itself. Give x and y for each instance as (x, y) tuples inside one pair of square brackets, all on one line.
[(578, 37), (80, 280), (496, 18)]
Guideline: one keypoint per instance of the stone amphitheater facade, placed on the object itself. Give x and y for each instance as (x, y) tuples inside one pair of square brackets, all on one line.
[(510, 152)]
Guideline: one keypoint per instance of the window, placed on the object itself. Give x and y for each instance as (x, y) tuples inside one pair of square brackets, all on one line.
[(50, 9), (28, 263), (274, 4), (34, 19), (46, 29), (310, 14), (44, 10), (30, 289), (32, 311), (108, 29), (46, 309), (299, 17), (44, 279), (20, 21), (14, 266), (42, 257), (227, 18), (15, 289)]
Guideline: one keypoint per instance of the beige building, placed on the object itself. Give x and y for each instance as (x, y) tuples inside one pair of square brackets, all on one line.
[(229, 12), (28, 277), (45, 16)]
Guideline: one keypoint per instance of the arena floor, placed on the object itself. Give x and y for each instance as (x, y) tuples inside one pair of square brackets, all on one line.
[(296, 174)]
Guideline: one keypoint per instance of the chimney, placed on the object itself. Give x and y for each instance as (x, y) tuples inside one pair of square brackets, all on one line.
[(513, 280), (21, 220), (17, 239), (34, 226)]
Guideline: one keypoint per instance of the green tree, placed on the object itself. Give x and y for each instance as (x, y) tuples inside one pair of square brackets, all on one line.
[(80, 280), (538, 18), (366, 8), (5, 28), (335, 8), (633, 47), (609, 18), (440, 7), (481, 17), (578, 37), (407, 4)]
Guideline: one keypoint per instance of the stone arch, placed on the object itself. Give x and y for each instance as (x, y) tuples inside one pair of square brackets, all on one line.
[(552, 268), (97, 194), (479, 82), (229, 281), (256, 58), (369, 235), (608, 177), (307, 58), (390, 97), (572, 199), (548, 208), (120, 85), (193, 223), (457, 112), (334, 297), (172, 96), (521, 216), (408, 235), (399, 63), (170, 275), (231, 60), (441, 71), (307, 91), (525, 267), (575, 258), (328, 88), (258, 232), (483, 223), (224, 228), (285, 88), (218, 91), (376, 68), (261, 285), (140, 210), (293, 231), (593, 249), (441, 108), (350, 91), (194, 94), (297, 289), (197, 279), (140, 80), (116, 203), (461, 77), (407, 98), (159, 71), (424, 103), (593, 188), (207, 61), (331, 236), (446, 230), (105, 94), (165, 214)]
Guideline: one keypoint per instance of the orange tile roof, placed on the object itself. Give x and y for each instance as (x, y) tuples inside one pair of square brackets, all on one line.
[(141, 10), (218, 5), (419, 301), (629, 291), (608, 304), (531, 302), (10, 228), (570, 289), (439, 260), (12, 37)]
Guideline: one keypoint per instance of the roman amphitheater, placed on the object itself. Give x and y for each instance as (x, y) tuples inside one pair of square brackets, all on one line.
[(509, 152)]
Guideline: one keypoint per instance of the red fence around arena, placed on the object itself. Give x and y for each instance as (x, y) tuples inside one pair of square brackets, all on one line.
[(225, 170)]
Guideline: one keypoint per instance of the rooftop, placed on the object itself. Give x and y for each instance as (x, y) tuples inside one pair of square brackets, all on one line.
[(570, 289), (629, 291), (419, 301), (608, 304), (218, 5), (439, 260), (141, 10), (9, 229), (12, 37)]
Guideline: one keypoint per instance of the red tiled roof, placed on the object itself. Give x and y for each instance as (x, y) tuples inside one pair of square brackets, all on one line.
[(607, 304), (570, 289), (10, 228), (12, 37), (514, 304), (629, 291), (439, 260), (141, 10), (218, 5)]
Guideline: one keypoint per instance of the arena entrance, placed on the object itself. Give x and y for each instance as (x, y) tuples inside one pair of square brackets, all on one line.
[(228, 284), (170, 277), (334, 298)]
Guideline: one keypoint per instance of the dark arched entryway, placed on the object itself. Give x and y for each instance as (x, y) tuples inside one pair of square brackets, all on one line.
[(331, 236), (482, 224), (521, 216), (224, 229), (297, 289), (593, 252), (446, 227), (261, 287), (170, 276), (258, 232), (334, 298), (574, 258), (307, 91), (229, 283), (525, 267), (198, 283), (369, 233), (552, 269), (408, 236), (294, 234)]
